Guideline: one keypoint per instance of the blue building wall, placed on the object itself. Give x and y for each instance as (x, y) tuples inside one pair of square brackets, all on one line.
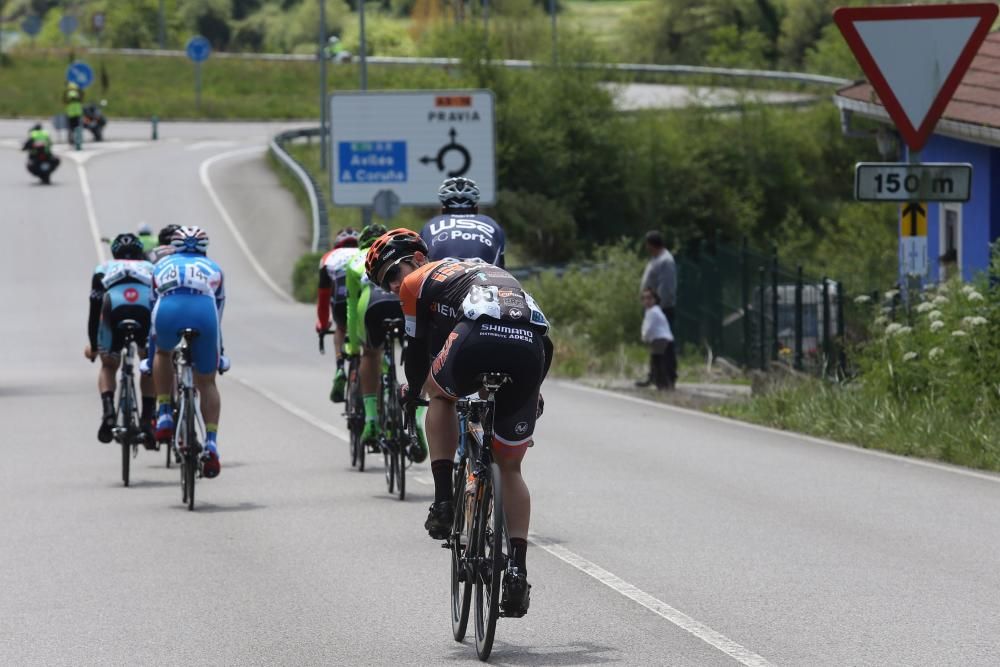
[(980, 215)]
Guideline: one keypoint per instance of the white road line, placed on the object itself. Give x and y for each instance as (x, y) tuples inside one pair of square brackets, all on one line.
[(206, 181), (88, 203), (293, 409), (202, 145), (906, 460), (719, 641)]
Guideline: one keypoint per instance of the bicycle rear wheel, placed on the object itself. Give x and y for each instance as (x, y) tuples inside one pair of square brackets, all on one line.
[(461, 581), (401, 444), (126, 409), (489, 536)]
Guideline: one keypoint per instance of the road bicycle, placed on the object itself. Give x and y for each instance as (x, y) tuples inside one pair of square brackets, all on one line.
[(354, 408), (398, 437), (127, 431), (189, 432), (479, 541)]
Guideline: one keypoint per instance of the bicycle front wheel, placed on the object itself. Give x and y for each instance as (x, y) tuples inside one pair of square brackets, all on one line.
[(489, 568)]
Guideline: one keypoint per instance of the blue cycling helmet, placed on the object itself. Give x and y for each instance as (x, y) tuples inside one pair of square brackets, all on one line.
[(190, 239)]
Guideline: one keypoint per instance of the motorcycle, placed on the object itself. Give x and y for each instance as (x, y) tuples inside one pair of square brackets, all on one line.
[(42, 163), (94, 120)]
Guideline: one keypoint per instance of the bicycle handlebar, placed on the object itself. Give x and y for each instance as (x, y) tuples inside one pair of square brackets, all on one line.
[(322, 335)]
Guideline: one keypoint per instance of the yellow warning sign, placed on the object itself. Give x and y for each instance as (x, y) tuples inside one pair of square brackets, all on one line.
[(914, 219)]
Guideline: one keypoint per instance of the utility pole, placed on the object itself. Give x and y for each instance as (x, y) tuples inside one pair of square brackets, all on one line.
[(322, 85), (366, 211), (555, 45), (162, 28)]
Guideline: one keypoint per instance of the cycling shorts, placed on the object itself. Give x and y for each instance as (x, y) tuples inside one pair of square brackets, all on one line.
[(486, 345), (381, 306), (128, 301), (175, 312), (340, 314)]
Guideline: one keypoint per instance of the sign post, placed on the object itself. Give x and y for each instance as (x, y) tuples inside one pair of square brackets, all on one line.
[(409, 142), (914, 57), (198, 49), (68, 25)]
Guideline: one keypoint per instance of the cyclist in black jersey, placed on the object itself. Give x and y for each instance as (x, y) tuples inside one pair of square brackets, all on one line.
[(464, 318), (460, 231)]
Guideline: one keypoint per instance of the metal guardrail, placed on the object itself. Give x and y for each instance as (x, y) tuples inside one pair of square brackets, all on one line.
[(635, 68), (320, 219)]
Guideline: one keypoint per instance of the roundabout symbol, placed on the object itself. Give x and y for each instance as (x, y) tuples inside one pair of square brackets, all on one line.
[(451, 146)]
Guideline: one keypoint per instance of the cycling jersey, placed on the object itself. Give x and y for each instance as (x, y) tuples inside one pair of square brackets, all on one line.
[(189, 292), (120, 289), (333, 272), (471, 318), (357, 300), (464, 236)]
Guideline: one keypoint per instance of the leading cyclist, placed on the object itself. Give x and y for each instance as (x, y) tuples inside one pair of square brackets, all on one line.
[(465, 318), (120, 290), (460, 231), (188, 292)]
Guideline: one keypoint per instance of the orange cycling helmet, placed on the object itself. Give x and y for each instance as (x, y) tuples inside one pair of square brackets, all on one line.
[(390, 249)]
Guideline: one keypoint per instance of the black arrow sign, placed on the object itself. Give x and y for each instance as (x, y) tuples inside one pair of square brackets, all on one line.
[(915, 211)]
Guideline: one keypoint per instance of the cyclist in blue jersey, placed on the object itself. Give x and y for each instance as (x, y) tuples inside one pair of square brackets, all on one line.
[(460, 231), (119, 290), (189, 293)]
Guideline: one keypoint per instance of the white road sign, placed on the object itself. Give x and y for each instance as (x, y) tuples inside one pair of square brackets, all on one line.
[(903, 181), (913, 255), (409, 142)]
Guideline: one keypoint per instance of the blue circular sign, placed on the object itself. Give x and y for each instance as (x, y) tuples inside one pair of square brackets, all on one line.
[(32, 25), (80, 73), (198, 49), (68, 25)]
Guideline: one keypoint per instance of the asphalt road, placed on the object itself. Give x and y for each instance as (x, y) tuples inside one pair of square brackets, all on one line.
[(663, 537)]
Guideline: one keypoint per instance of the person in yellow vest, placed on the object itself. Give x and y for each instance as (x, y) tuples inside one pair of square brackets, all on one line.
[(73, 99)]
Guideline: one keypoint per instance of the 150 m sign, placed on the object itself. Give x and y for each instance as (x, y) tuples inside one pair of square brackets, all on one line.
[(903, 181)]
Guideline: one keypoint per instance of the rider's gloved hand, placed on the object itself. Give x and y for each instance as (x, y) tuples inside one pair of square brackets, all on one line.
[(224, 364), (408, 401), (146, 366), (541, 406), (321, 328)]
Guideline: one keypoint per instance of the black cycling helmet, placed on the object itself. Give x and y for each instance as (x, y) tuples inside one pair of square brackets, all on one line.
[(166, 233), (36, 127), (127, 246), (369, 234), (459, 192), (388, 251)]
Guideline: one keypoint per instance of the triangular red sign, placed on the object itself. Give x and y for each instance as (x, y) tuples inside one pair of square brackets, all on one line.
[(915, 56)]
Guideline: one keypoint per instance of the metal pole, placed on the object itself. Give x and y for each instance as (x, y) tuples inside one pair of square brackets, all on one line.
[(555, 46), (486, 19), (364, 46), (798, 319), (776, 347), (1, 33), (745, 297), (322, 85), (762, 328), (842, 354), (162, 28), (826, 323), (197, 86)]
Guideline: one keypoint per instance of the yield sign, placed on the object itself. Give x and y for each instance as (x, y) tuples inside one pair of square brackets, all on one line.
[(915, 56)]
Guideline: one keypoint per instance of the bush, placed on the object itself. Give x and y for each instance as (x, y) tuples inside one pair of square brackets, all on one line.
[(305, 277), (543, 228), (926, 384)]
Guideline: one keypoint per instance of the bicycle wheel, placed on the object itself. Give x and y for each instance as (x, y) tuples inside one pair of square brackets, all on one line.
[(401, 444), (489, 568), (461, 582), (126, 408), (352, 402)]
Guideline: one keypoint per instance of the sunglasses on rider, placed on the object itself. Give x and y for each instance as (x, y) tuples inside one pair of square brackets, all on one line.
[(391, 274)]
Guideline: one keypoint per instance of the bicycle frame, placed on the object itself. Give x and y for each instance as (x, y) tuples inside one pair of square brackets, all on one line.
[(127, 431), (189, 431), (395, 436)]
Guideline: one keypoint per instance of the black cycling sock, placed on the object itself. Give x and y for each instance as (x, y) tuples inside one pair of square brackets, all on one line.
[(520, 547), (148, 407), (442, 469), (108, 402)]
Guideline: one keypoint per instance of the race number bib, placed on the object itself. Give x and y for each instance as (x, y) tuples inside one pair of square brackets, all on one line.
[(481, 301)]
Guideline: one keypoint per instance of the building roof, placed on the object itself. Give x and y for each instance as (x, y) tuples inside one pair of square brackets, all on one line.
[(975, 103)]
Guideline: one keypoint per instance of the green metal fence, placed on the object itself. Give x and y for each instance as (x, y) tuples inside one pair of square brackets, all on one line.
[(748, 307)]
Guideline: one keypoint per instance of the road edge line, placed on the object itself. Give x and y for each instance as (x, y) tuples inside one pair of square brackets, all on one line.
[(88, 204), (706, 634), (293, 409), (224, 214), (857, 449)]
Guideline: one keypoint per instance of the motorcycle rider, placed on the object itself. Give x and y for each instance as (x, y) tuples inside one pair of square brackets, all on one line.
[(39, 145)]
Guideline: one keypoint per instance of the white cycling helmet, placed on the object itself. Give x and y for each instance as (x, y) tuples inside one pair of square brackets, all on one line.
[(190, 239), (459, 192)]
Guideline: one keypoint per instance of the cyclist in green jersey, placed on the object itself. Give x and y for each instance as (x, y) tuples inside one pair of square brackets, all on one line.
[(359, 296)]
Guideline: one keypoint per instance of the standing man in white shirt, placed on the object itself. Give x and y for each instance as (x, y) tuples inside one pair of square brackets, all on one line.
[(660, 276)]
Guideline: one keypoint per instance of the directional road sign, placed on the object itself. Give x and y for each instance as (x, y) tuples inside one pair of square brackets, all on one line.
[(915, 56), (909, 182), (80, 73), (198, 49), (97, 21), (31, 25), (68, 24), (409, 143)]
